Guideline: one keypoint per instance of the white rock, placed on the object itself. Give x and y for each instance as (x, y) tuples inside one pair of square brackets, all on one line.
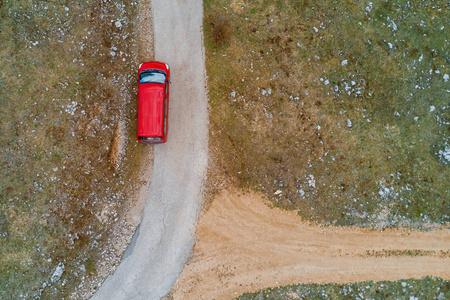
[(432, 108), (118, 24), (301, 192), (349, 123), (445, 77), (315, 29), (58, 272), (278, 192), (445, 154), (394, 26), (384, 191), (344, 62), (311, 181), (233, 94)]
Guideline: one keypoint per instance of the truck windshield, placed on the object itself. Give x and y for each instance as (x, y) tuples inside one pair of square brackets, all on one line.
[(151, 139), (152, 76)]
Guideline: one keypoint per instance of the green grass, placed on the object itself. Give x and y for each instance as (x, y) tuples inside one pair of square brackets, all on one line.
[(328, 64), (67, 76), (425, 288)]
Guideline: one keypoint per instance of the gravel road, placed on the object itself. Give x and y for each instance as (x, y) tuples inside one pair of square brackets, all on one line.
[(165, 238)]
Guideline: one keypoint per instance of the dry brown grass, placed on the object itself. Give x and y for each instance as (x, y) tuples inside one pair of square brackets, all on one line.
[(67, 139)]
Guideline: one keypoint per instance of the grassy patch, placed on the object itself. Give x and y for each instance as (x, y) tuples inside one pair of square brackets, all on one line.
[(336, 109), (425, 288), (67, 80)]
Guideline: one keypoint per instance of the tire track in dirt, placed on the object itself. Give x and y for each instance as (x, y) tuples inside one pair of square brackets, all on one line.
[(243, 245)]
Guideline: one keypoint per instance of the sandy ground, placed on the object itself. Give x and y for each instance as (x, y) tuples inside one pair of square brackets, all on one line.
[(243, 245), (164, 240)]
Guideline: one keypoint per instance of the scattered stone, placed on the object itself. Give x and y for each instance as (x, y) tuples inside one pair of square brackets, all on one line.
[(311, 181), (266, 92), (445, 154), (58, 272), (394, 26)]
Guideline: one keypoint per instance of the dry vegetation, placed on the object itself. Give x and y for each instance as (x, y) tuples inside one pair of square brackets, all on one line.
[(338, 110), (67, 146), (413, 289)]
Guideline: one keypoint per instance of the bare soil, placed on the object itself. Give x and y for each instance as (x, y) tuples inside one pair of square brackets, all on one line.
[(244, 245)]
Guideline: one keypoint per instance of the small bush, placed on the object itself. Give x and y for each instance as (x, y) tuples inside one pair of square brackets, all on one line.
[(220, 29), (4, 224)]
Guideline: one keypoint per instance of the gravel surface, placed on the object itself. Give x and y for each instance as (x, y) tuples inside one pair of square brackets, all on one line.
[(163, 243)]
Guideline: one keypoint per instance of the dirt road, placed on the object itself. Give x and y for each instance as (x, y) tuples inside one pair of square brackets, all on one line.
[(244, 245), (162, 244)]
